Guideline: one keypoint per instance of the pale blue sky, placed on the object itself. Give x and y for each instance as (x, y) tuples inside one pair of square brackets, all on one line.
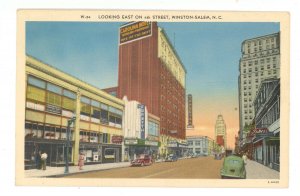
[(89, 51)]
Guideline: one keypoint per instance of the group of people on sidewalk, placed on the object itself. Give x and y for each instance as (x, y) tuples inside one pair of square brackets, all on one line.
[(41, 160)]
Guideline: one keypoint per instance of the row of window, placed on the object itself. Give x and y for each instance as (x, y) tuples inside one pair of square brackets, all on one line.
[(35, 130), (262, 61), (54, 98), (261, 68), (261, 42)]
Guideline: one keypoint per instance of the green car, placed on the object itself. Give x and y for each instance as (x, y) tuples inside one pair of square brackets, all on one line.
[(233, 167)]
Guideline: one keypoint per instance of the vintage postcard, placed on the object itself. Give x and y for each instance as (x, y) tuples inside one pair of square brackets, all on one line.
[(152, 98)]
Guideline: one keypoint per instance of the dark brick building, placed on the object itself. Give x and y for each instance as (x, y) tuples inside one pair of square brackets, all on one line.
[(151, 72)]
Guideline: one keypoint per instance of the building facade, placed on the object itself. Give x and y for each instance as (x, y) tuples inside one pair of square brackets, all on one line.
[(52, 98), (202, 145), (260, 60), (220, 131), (151, 72), (141, 131), (266, 143)]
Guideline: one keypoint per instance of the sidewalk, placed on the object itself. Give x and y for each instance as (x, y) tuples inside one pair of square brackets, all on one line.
[(59, 171), (256, 170)]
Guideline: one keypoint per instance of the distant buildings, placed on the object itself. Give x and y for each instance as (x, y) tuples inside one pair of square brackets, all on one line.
[(202, 145), (260, 60), (220, 132)]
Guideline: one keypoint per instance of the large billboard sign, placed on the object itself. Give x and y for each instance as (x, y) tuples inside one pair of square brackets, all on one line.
[(134, 31)]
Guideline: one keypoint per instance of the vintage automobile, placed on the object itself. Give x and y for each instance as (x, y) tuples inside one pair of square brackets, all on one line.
[(233, 167), (141, 160), (171, 158)]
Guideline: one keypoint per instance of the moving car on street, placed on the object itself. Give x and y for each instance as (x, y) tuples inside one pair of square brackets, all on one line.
[(141, 160), (171, 158), (233, 167)]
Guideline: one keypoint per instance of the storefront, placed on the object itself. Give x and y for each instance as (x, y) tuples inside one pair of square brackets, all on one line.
[(177, 148), (135, 146)]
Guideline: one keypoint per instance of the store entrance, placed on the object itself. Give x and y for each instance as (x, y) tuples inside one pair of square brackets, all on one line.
[(55, 152)]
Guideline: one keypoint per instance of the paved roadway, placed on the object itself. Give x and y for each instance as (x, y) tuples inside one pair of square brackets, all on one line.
[(193, 168)]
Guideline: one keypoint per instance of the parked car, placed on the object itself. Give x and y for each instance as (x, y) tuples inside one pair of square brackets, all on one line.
[(171, 158), (218, 156), (141, 160), (233, 167)]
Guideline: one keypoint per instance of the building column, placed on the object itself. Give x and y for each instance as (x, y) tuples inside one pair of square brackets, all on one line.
[(77, 128)]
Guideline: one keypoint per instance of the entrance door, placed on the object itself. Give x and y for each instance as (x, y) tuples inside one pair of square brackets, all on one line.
[(117, 153)]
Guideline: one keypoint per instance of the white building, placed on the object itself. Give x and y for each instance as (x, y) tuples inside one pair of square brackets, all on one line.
[(198, 145), (141, 130), (220, 130), (260, 60)]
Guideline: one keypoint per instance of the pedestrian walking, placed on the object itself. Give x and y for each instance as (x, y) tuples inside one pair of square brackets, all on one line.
[(245, 158), (37, 158), (44, 157), (81, 161)]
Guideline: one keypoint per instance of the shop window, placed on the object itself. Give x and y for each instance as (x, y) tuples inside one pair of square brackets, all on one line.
[(36, 82), (94, 137), (49, 132), (36, 94), (28, 129), (63, 134), (84, 136)]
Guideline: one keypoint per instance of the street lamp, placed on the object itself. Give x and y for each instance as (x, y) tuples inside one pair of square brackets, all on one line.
[(70, 121)]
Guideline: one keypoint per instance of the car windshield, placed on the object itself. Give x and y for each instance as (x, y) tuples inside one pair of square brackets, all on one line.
[(234, 162)]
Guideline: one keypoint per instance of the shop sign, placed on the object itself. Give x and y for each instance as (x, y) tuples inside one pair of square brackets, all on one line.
[(172, 144), (151, 143), (152, 138), (182, 145), (116, 139), (134, 31), (109, 156), (53, 109), (142, 110), (131, 141), (95, 120)]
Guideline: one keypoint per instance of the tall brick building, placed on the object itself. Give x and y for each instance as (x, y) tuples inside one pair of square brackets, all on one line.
[(151, 72)]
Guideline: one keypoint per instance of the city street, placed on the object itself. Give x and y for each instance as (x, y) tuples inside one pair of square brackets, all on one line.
[(194, 168)]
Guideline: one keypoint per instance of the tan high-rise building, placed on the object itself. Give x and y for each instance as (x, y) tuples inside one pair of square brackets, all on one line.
[(220, 131), (260, 60)]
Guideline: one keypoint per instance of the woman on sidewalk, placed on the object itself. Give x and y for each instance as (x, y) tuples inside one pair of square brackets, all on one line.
[(44, 157), (81, 161)]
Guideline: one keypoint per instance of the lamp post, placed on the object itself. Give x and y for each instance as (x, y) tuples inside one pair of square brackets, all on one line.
[(70, 121)]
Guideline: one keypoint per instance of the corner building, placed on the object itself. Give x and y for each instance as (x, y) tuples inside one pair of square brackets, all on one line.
[(53, 97), (151, 72)]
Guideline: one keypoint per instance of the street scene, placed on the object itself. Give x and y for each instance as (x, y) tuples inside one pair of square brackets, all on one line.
[(152, 100)]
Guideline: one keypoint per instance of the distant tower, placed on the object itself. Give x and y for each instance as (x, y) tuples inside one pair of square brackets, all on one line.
[(220, 131), (190, 112)]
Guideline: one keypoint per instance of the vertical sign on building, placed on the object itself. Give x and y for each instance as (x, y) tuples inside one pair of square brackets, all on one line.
[(142, 110), (190, 111)]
